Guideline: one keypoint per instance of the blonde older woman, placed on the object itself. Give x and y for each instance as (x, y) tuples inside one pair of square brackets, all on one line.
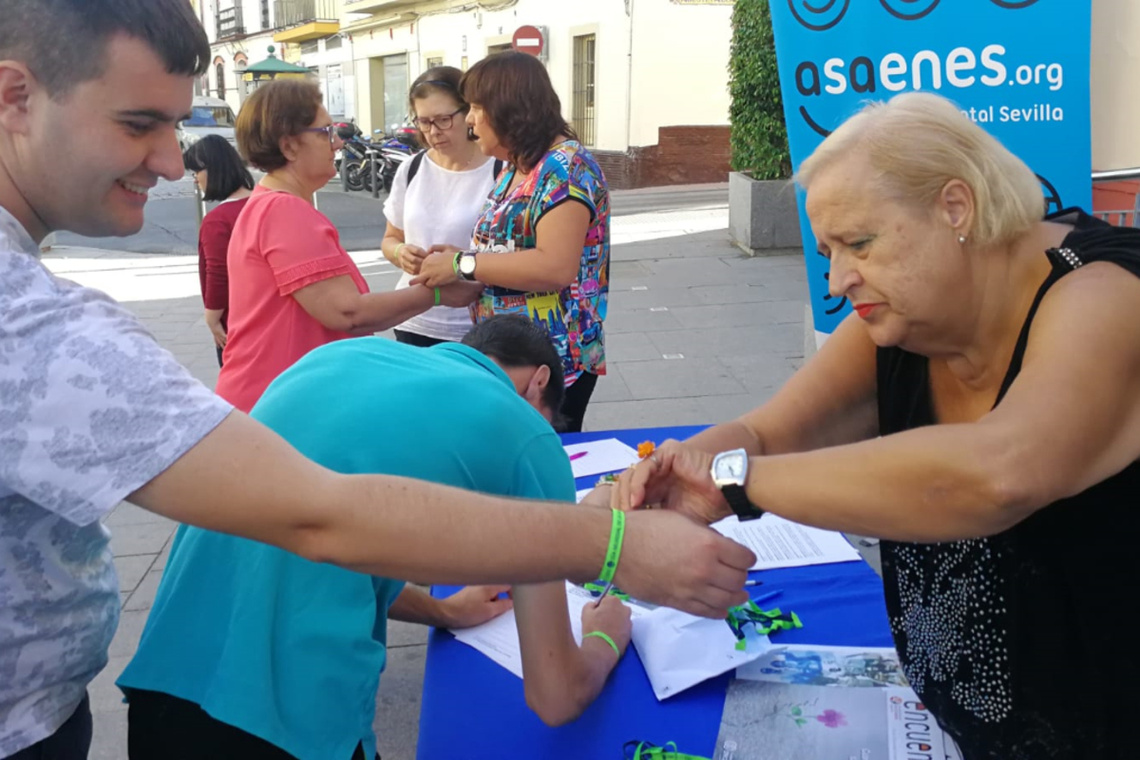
[(980, 411)]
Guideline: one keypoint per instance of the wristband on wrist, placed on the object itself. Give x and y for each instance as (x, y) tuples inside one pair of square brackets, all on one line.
[(396, 253), (604, 637), (437, 296), (613, 551), (455, 263)]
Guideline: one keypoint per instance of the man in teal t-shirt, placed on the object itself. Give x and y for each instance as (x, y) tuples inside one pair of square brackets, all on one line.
[(253, 652)]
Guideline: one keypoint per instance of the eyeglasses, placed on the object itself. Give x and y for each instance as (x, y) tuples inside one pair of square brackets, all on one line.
[(443, 122), (330, 132)]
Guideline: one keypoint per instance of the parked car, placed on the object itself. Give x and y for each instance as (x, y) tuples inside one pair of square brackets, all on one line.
[(208, 116)]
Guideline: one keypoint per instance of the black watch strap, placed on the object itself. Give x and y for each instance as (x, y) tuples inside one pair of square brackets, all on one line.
[(737, 499)]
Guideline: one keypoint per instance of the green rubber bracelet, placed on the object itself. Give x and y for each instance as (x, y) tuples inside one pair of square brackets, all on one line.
[(613, 551), (604, 637), (437, 296)]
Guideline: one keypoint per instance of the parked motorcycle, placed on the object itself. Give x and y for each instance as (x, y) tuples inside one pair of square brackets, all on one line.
[(355, 155), (393, 152)]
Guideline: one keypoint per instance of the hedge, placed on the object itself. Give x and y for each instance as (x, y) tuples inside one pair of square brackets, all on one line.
[(759, 137)]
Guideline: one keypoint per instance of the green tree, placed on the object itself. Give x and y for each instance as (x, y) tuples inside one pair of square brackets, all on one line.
[(759, 136)]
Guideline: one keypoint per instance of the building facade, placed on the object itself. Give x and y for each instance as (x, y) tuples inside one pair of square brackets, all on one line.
[(643, 82), (302, 32)]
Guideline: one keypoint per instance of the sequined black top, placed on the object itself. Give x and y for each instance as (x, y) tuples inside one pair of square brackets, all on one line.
[(1023, 644)]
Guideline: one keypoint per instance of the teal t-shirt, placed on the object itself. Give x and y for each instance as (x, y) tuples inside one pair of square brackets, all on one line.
[(291, 650)]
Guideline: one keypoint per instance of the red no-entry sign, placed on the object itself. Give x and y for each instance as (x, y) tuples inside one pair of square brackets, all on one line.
[(528, 39)]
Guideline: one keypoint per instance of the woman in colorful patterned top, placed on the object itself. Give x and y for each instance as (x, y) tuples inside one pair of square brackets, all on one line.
[(534, 253)]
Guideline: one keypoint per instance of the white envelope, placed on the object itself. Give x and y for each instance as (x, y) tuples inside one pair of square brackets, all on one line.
[(680, 650)]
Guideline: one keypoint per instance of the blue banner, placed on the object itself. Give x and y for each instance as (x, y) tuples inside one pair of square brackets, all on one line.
[(1018, 68)]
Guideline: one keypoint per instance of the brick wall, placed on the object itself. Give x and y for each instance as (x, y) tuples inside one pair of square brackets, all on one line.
[(682, 156)]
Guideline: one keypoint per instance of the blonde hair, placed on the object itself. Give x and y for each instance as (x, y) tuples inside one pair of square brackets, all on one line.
[(917, 142)]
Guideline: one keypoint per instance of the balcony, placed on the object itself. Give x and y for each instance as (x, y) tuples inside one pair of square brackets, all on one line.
[(304, 20), (229, 23), (371, 6)]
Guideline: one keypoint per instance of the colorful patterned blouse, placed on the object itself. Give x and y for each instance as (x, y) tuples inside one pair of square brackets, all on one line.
[(573, 317)]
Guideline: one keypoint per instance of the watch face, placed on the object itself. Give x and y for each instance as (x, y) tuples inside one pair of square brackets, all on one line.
[(467, 263), (730, 466)]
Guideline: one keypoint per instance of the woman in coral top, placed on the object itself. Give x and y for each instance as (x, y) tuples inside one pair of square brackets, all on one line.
[(292, 285)]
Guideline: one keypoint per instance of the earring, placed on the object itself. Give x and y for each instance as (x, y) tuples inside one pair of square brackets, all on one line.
[(961, 240)]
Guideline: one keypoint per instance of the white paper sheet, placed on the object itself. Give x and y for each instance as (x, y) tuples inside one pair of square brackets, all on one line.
[(680, 650), (597, 457), (781, 543), (579, 495), (499, 638)]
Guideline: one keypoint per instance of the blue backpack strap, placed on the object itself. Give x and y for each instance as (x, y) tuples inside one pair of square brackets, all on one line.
[(415, 167)]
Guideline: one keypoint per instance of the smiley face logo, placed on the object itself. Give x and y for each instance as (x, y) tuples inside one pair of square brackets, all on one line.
[(1053, 201), (909, 10), (819, 15), (813, 124), (832, 308)]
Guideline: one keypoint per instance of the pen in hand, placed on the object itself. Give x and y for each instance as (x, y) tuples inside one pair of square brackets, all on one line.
[(605, 591)]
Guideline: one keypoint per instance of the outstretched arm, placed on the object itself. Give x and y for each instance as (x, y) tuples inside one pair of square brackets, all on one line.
[(1070, 420), (404, 528)]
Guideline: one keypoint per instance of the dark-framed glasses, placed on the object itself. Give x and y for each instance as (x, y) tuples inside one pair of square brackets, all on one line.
[(329, 131), (443, 122)]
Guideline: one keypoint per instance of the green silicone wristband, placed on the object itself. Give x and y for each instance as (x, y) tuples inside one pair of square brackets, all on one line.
[(436, 296), (455, 263), (613, 551), (604, 637)]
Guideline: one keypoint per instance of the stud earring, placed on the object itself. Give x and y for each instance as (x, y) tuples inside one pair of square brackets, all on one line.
[(961, 239)]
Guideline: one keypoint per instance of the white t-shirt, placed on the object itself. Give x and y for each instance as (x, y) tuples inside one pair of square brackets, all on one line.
[(91, 409), (439, 208)]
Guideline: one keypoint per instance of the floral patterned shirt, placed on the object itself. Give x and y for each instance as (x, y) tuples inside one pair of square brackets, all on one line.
[(574, 315)]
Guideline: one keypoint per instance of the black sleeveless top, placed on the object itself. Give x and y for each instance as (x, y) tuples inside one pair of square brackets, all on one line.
[(1024, 644)]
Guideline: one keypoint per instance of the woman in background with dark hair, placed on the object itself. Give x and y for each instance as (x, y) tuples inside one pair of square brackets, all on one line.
[(534, 253), (222, 177)]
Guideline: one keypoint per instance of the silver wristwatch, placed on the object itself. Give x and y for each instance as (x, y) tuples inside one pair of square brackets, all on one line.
[(729, 472)]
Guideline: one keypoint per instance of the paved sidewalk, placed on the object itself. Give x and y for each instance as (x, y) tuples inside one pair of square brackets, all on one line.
[(696, 333)]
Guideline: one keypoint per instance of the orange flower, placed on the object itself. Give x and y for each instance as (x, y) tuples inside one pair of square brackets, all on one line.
[(645, 448)]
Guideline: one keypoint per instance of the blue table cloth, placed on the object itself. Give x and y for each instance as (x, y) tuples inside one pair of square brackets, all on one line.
[(475, 709)]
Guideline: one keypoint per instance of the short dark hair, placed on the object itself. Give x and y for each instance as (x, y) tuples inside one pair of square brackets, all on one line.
[(281, 108), (438, 79), (520, 104), (64, 42), (225, 172), (515, 341)]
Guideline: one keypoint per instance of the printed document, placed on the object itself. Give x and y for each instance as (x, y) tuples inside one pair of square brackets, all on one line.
[(499, 638), (777, 542)]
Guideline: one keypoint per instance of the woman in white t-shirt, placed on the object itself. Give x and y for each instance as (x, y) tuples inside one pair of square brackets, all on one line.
[(436, 197)]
